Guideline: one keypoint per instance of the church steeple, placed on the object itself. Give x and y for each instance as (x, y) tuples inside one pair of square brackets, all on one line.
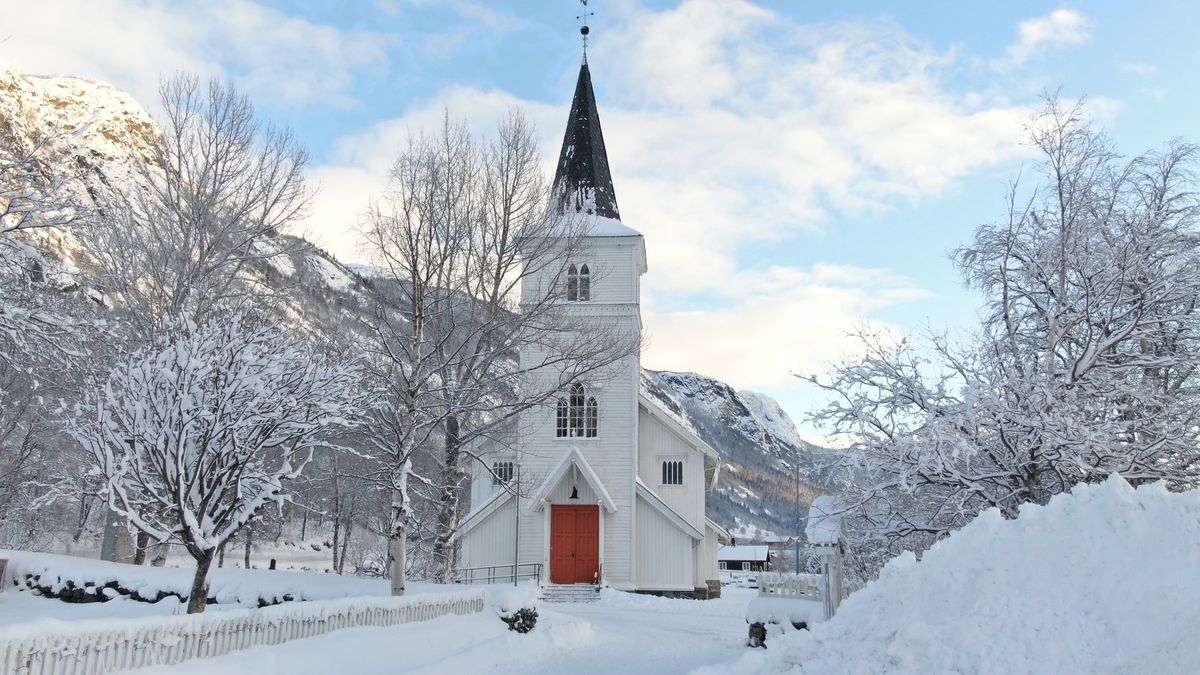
[(582, 182)]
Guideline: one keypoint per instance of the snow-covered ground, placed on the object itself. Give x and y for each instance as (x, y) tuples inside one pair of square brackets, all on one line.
[(621, 633), (1103, 580)]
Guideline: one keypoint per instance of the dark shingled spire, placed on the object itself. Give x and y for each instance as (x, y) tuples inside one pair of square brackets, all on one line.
[(582, 181)]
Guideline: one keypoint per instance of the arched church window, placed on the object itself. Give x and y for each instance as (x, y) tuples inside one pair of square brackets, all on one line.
[(572, 283), (561, 428), (577, 414), (585, 283), (672, 472), (502, 472), (579, 283), (590, 417)]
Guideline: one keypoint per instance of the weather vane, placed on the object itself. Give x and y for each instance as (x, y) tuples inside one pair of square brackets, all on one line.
[(583, 27)]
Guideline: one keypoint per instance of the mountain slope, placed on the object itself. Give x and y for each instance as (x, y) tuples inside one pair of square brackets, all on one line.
[(769, 474)]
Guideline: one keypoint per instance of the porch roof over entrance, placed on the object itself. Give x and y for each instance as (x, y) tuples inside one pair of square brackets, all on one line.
[(573, 458)]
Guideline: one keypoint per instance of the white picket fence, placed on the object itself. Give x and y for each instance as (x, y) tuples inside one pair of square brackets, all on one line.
[(101, 646)]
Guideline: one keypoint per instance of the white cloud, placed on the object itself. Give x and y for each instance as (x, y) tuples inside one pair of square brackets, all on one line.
[(131, 43), (1137, 69), (777, 322), (727, 126), (358, 165), (1060, 28)]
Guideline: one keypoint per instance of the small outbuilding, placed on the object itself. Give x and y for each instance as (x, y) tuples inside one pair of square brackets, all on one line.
[(743, 558)]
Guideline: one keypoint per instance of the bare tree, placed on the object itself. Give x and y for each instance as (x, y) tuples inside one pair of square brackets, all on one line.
[(196, 434), (1085, 362), (463, 230), (182, 236)]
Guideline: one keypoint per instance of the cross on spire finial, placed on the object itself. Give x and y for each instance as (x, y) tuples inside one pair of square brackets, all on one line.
[(583, 27)]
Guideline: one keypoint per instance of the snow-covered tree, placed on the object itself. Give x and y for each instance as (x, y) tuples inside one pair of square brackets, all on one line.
[(1085, 363), (38, 333), (198, 432), (463, 224)]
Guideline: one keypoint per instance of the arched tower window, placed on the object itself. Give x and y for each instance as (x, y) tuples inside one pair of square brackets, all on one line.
[(572, 283), (579, 283), (585, 283), (577, 414)]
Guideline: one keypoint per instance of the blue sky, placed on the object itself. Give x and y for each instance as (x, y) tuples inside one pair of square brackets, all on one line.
[(798, 168)]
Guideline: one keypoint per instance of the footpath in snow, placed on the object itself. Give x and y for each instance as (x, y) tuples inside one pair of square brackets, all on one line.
[(1101, 580)]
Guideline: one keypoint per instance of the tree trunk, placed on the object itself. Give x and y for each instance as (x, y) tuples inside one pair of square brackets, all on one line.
[(443, 549), (143, 543), (198, 598), (221, 556), (337, 527), (397, 539), (337, 515), (345, 546), (304, 525), (85, 510), (249, 542), (108, 542)]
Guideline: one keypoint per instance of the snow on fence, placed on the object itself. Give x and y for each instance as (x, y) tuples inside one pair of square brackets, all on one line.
[(91, 647), (776, 584)]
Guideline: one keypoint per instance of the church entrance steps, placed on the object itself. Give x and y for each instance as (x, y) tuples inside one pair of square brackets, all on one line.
[(570, 593)]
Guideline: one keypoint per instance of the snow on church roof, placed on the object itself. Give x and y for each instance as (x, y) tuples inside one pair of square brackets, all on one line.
[(599, 226)]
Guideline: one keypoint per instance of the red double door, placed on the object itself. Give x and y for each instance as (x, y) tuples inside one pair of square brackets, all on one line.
[(574, 544)]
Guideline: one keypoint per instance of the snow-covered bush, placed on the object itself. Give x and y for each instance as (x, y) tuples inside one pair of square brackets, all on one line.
[(515, 605), (522, 621)]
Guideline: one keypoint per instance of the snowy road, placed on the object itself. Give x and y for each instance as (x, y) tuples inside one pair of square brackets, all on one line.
[(641, 635)]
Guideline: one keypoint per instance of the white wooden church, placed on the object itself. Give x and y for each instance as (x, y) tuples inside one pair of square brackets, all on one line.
[(612, 485)]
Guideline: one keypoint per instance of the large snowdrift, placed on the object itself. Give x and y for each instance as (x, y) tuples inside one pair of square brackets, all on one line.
[(1101, 580)]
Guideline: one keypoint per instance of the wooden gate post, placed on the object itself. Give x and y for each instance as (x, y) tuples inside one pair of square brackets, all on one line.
[(831, 577)]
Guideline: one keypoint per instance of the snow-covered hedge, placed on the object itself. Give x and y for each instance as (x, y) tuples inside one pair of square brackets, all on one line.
[(98, 646), (1099, 580), (86, 580)]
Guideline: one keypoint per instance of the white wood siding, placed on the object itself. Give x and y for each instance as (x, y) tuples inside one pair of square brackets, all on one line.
[(706, 561), (612, 262), (491, 541), (664, 552), (657, 442), (562, 493)]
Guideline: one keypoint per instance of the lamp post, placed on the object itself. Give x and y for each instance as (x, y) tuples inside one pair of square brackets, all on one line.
[(516, 520), (796, 472)]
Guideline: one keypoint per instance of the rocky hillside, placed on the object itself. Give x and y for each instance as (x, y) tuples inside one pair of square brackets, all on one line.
[(95, 136), (769, 474)]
